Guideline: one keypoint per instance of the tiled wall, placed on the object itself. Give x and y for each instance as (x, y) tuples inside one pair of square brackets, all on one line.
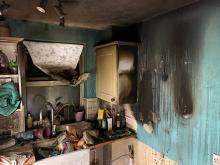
[(143, 154)]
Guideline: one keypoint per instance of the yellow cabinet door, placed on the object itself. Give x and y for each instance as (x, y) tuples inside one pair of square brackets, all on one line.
[(106, 73)]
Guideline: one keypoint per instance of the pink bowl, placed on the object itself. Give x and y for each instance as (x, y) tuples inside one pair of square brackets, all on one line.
[(79, 116)]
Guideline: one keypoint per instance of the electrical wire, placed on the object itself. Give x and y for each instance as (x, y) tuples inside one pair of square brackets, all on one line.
[(120, 157)]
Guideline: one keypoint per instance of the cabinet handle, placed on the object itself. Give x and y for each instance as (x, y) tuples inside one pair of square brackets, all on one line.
[(112, 99)]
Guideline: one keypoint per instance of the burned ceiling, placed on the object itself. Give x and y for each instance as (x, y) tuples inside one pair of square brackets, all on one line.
[(94, 14)]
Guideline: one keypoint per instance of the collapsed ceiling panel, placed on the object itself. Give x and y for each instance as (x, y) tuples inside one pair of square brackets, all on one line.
[(58, 60)]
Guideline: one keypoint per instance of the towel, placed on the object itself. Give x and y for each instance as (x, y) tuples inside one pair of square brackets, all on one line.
[(9, 99)]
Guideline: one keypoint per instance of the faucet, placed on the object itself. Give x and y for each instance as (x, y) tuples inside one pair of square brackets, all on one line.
[(50, 107)]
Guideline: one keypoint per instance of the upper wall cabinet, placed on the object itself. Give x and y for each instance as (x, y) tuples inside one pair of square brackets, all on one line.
[(116, 72), (13, 117)]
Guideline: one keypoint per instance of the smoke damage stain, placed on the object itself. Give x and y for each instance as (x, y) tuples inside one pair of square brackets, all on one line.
[(164, 63), (182, 87), (146, 97)]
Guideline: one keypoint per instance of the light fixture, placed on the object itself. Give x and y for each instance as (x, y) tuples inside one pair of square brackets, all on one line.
[(60, 12), (3, 8), (42, 6)]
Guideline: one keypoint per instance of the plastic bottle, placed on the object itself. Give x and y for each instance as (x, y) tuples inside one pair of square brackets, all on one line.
[(29, 121)]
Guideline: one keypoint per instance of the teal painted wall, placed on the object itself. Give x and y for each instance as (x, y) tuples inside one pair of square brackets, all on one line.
[(189, 141), (195, 31), (55, 33)]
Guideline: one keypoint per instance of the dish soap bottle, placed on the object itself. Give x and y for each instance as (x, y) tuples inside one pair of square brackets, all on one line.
[(29, 121)]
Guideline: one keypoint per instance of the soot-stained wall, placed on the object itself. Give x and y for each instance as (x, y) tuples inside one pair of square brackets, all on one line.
[(179, 80)]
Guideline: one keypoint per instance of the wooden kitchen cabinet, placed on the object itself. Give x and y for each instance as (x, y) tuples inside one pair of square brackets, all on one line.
[(120, 152), (16, 121), (106, 73), (116, 72), (113, 152)]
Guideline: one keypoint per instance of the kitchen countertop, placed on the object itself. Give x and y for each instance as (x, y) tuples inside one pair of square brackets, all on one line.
[(103, 139)]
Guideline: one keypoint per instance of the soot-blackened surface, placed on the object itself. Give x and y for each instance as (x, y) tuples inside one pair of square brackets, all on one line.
[(169, 66), (190, 37), (146, 97), (182, 89)]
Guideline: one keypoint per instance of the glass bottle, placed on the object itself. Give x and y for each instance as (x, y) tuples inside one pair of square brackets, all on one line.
[(123, 119), (118, 122)]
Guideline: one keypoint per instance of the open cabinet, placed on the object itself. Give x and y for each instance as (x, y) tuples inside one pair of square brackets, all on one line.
[(10, 47), (51, 68), (116, 72)]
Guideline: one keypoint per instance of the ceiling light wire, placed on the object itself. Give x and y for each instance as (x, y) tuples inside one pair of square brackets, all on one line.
[(4, 8), (59, 10)]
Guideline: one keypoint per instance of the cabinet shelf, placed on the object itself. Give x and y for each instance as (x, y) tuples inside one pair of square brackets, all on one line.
[(45, 83), (8, 75)]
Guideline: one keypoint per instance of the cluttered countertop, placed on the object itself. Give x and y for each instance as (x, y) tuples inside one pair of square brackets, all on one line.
[(42, 142)]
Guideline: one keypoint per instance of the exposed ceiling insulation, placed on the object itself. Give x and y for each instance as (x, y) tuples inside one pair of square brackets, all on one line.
[(58, 60), (95, 14)]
